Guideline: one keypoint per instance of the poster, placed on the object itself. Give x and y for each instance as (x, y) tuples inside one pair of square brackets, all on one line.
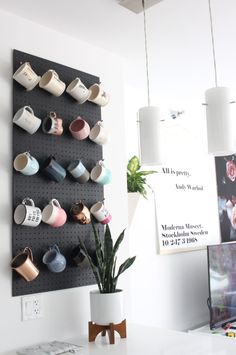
[(186, 206), (226, 192)]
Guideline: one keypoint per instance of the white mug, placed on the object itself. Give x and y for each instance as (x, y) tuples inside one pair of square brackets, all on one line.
[(26, 214), (26, 164), (100, 212), (26, 119), (98, 95), (78, 91), (25, 76), (99, 134), (51, 82)]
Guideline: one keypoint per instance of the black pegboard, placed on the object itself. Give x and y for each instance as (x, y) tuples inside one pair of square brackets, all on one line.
[(65, 148)]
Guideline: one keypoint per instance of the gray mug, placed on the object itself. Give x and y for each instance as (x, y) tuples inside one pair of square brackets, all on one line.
[(78, 171), (55, 261)]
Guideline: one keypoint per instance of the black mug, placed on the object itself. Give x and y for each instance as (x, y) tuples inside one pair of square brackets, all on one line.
[(77, 255), (53, 170)]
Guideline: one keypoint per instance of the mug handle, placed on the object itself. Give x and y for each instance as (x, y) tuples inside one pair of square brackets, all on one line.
[(54, 72), (28, 155), (28, 64), (28, 251), (29, 200), (55, 247), (28, 108), (101, 163), (54, 202), (52, 114)]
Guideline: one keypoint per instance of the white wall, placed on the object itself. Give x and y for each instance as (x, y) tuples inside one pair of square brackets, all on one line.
[(171, 290), (66, 312)]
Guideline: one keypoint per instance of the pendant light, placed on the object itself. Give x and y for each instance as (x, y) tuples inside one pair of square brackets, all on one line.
[(149, 120), (218, 107)]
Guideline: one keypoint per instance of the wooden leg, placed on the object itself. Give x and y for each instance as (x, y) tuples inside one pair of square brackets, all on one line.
[(121, 329), (111, 333), (94, 329)]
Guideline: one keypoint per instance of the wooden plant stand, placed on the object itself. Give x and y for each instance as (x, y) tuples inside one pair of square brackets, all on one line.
[(94, 329)]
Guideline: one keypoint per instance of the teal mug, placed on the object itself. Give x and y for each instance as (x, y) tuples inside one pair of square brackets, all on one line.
[(100, 174), (55, 261), (26, 164)]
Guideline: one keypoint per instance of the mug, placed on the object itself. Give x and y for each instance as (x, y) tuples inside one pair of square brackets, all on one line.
[(55, 261), (98, 95), (53, 170), (23, 264), (26, 119), (100, 174), (79, 128), (26, 164), (78, 171), (101, 214), (51, 82), (52, 124), (78, 91), (99, 134), (80, 213), (53, 214), (26, 214), (77, 255), (25, 76)]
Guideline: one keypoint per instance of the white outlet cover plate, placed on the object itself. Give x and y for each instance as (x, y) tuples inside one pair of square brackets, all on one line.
[(136, 5), (31, 307)]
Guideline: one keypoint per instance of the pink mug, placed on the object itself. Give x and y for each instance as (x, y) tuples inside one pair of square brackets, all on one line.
[(53, 214), (79, 128)]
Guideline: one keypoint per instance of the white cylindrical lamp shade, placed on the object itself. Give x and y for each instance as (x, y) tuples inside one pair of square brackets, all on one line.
[(149, 135), (220, 132)]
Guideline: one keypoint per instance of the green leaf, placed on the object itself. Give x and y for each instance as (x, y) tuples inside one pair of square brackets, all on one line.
[(125, 266), (133, 164), (93, 267), (144, 172), (108, 257), (99, 249), (108, 244), (118, 242), (99, 253)]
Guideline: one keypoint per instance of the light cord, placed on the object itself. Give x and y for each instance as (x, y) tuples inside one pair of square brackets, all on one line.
[(146, 50), (213, 44)]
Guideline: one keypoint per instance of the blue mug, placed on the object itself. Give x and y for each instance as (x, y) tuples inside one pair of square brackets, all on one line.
[(100, 174), (26, 164), (53, 170), (55, 261)]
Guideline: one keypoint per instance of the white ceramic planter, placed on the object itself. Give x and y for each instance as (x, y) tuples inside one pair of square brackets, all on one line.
[(106, 308), (133, 200)]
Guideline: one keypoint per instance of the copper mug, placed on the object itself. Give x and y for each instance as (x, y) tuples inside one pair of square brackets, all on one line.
[(23, 264), (80, 213)]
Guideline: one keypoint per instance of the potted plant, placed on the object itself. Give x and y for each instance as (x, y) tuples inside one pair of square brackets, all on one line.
[(136, 178), (107, 302)]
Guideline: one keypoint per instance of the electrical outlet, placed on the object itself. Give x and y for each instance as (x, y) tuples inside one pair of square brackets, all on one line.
[(31, 307)]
